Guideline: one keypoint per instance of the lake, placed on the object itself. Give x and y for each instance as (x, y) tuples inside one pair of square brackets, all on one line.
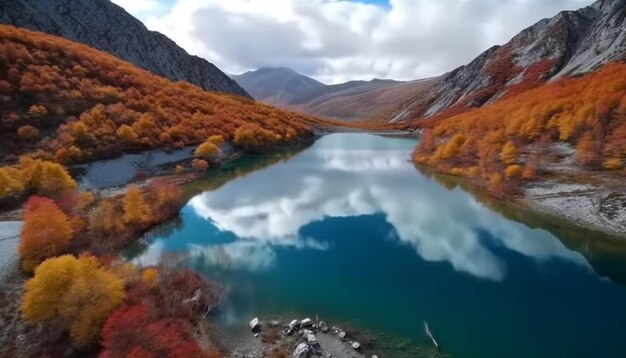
[(349, 229)]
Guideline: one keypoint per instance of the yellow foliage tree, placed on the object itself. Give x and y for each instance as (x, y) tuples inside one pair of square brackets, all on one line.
[(80, 132), (253, 137), (77, 293), (126, 133), (54, 178), (135, 208), (509, 153), (208, 150), (513, 171), (37, 110), (103, 221), (11, 182), (43, 176), (86, 199), (450, 149), (216, 139), (612, 164), (149, 276), (495, 183)]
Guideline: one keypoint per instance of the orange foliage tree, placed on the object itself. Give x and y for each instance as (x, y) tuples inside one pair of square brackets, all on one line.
[(46, 232), (200, 165), (167, 199), (28, 132), (136, 211)]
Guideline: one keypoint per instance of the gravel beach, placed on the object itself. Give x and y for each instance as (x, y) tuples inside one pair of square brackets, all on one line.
[(601, 208)]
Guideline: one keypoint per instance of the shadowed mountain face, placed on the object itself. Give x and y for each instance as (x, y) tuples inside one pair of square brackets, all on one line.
[(107, 27), (348, 101), (568, 44)]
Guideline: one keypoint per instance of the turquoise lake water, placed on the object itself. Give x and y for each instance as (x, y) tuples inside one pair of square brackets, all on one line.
[(350, 230)]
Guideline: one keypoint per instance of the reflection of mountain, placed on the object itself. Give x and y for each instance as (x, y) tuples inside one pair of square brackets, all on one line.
[(334, 179)]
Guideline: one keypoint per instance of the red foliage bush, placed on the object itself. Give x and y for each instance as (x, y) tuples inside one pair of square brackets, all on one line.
[(131, 331), (156, 320)]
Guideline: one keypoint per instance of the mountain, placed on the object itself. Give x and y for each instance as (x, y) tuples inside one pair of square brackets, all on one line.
[(568, 44), (359, 99), (107, 27), (346, 101), (277, 86)]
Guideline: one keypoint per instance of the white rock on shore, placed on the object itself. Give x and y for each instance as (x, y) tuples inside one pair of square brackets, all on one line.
[(301, 351), (305, 322), (254, 324)]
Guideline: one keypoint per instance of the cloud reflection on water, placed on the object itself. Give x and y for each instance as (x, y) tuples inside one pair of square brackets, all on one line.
[(269, 208)]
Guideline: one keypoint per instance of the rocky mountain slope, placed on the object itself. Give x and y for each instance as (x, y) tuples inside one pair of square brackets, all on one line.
[(568, 44), (347, 101), (106, 26)]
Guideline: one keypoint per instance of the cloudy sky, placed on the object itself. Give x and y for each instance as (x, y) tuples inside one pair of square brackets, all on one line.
[(340, 40)]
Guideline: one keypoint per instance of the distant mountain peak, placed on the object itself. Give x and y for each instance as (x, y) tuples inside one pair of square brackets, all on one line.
[(277, 85)]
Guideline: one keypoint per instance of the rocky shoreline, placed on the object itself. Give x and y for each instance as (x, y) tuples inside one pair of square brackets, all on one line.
[(600, 208), (298, 338)]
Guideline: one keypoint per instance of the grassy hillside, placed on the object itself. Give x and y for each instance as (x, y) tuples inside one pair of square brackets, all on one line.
[(64, 101)]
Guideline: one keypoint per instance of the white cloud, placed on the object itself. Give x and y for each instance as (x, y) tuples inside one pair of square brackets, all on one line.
[(339, 40), (138, 7)]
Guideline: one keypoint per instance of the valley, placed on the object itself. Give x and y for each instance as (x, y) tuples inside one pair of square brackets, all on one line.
[(350, 101), (152, 205)]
